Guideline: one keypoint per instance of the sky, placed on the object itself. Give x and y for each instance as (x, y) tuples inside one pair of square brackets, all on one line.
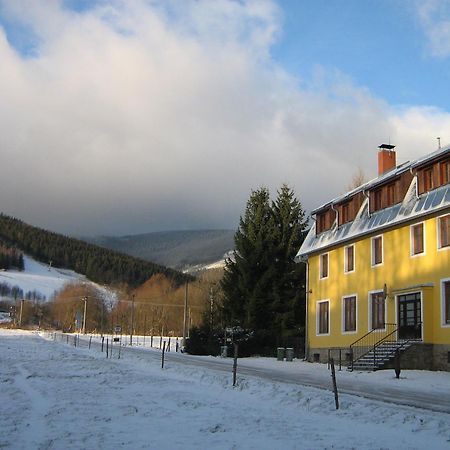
[(123, 117)]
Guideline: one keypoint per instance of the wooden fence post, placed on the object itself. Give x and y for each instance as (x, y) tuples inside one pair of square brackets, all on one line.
[(235, 363), (333, 376), (162, 355)]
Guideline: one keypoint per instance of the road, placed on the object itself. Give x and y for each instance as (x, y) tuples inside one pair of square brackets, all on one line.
[(398, 394)]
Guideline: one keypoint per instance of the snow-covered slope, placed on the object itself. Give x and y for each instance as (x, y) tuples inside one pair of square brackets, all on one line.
[(39, 277)]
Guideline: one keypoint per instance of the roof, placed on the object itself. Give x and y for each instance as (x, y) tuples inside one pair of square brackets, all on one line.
[(384, 177), (411, 208)]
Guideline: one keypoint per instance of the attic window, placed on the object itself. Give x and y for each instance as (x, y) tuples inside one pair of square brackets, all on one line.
[(345, 213), (390, 194), (445, 172), (377, 200), (428, 183)]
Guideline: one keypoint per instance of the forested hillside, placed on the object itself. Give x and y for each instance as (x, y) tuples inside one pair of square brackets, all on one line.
[(177, 249), (10, 257), (98, 264)]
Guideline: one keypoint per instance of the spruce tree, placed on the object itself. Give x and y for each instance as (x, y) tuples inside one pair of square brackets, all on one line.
[(263, 283), (288, 294)]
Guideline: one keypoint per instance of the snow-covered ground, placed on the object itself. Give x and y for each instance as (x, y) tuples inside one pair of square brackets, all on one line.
[(40, 277), (47, 280), (56, 396)]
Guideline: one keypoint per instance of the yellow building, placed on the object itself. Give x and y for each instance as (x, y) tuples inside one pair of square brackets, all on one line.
[(378, 263)]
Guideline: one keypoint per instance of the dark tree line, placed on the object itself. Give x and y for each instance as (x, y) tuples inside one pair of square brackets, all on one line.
[(17, 293), (98, 264), (263, 284), (10, 257)]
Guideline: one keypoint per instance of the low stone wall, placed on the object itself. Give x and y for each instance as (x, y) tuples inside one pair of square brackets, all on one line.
[(419, 356), (441, 357), (321, 355)]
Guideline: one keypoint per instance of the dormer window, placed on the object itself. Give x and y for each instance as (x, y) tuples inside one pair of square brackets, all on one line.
[(428, 183), (390, 194), (345, 213), (377, 200), (445, 172)]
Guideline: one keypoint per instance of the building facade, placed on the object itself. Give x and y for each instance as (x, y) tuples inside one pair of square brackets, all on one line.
[(378, 263)]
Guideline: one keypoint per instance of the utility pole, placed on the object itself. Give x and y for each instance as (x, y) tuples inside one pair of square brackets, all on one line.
[(132, 319), (84, 315), (185, 314), (21, 312)]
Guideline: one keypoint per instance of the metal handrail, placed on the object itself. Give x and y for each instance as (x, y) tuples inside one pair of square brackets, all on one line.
[(370, 341)]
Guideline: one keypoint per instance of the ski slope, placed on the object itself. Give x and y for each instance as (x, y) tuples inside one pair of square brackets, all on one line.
[(40, 277)]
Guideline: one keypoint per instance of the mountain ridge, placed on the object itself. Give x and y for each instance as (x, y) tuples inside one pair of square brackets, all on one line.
[(177, 249)]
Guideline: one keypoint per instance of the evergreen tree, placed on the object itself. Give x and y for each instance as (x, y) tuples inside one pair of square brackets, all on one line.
[(262, 283), (288, 295)]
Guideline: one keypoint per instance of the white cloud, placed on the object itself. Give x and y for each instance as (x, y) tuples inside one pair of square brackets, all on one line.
[(434, 17), (134, 117)]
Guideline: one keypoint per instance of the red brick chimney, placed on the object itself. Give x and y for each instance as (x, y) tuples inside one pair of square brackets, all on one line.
[(386, 158)]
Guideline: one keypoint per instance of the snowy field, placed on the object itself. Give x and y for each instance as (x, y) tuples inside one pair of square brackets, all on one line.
[(40, 277), (56, 396), (45, 279)]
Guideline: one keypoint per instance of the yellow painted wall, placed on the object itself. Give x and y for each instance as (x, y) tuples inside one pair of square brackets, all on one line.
[(399, 270)]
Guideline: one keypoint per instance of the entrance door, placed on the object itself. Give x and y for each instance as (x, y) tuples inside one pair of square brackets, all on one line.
[(409, 316)]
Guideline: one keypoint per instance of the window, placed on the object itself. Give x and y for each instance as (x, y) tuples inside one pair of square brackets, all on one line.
[(445, 172), (377, 310), (349, 308), (323, 317), (444, 231), (321, 223), (417, 239), (323, 266), (390, 194), (445, 292), (377, 250), (377, 200), (428, 179), (345, 213), (349, 259)]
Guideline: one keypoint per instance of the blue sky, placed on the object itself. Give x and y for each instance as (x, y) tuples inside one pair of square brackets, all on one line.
[(141, 115), (380, 44)]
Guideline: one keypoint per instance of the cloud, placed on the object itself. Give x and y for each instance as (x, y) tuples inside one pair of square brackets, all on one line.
[(142, 116), (434, 16)]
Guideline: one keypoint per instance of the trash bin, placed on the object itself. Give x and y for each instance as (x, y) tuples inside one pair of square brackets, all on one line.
[(280, 354), (289, 354), (224, 351)]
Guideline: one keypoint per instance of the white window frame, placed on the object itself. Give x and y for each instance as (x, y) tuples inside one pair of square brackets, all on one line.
[(345, 259), (441, 283), (369, 308), (411, 240), (343, 313), (320, 265), (372, 251), (421, 309), (438, 234), (318, 302)]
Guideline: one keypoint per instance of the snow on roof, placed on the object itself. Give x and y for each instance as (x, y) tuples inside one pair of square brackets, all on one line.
[(411, 208), (386, 176), (365, 223)]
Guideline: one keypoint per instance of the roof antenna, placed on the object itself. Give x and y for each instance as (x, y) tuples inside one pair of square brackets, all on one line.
[(439, 142)]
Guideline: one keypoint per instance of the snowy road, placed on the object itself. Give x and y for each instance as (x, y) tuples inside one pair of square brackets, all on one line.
[(411, 391), (56, 396)]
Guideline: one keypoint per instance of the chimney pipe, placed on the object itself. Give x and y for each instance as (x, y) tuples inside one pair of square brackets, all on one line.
[(386, 158)]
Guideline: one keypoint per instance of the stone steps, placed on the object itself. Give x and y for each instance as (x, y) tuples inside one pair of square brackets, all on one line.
[(383, 354)]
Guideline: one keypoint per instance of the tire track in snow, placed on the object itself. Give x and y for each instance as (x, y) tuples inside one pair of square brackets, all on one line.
[(38, 409)]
